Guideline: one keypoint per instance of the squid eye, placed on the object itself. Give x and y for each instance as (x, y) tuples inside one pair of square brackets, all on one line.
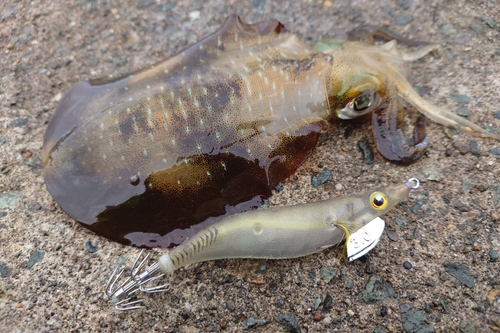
[(378, 200), (363, 102)]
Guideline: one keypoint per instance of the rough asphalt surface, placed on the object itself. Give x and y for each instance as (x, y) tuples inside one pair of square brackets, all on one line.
[(435, 269)]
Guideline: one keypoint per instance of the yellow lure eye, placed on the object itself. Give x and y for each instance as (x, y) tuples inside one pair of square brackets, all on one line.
[(378, 200)]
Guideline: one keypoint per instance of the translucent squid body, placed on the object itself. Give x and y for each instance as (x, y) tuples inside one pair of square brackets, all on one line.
[(152, 157)]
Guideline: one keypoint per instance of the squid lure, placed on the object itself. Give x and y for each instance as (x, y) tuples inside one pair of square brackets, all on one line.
[(275, 233)]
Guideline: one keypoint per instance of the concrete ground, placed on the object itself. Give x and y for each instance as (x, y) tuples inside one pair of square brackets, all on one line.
[(53, 271)]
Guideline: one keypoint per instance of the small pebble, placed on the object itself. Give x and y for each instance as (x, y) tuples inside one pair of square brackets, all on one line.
[(444, 306), (350, 312), (355, 173), (459, 272), (417, 205), (145, 3), (121, 260), (451, 132), (5, 271), (35, 257), (320, 178), (393, 235), (327, 303), (62, 50), (18, 122), (461, 146), (8, 199), (494, 151), (495, 188), (366, 150), (91, 248), (405, 4), (383, 311), (435, 17), (3, 214), (407, 265), (478, 308), (431, 172), (460, 206), (463, 112), (327, 274), (445, 30), (14, 101), (230, 306), (482, 187), (490, 23), (421, 90), (94, 61), (496, 114), (403, 20), (460, 98), (463, 38), (369, 268), (414, 320), (2, 140), (317, 316), (400, 221), (119, 61), (262, 269), (41, 110), (474, 148), (290, 321), (258, 3), (317, 303), (467, 326), (36, 163), (493, 254), (478, 29), (376, 291), (378, 329), (467, 185), (252, 322), (46, 72), (194, 15)]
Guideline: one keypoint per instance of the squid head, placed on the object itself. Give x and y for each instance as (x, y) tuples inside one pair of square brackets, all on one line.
[(373, 79)]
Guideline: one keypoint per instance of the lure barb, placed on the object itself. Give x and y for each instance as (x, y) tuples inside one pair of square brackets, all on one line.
[(275, 233), (139, 277)]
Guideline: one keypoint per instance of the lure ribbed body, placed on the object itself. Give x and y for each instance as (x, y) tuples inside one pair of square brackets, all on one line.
[(284, 232)]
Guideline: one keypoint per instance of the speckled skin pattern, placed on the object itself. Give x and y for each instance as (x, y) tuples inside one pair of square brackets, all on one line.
[(174, 144)]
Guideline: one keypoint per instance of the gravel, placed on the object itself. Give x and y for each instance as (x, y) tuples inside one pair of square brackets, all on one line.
[(64, 291)]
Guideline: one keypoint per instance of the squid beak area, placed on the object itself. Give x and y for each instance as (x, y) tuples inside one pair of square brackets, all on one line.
[(388, 130)]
